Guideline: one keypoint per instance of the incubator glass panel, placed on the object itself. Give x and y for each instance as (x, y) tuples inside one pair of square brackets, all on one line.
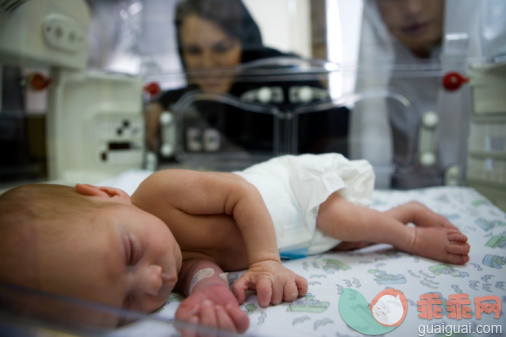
[(223, 131), (25, 312), (279, 106)]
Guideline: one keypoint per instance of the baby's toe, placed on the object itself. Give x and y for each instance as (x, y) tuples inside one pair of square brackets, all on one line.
[(457, 237), (458, 248), (457, 259)]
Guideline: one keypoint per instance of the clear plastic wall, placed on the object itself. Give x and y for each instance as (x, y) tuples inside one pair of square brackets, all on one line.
[(309, 76)]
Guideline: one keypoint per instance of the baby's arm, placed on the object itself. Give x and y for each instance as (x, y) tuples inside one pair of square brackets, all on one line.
[(213, 193), (209, 300)]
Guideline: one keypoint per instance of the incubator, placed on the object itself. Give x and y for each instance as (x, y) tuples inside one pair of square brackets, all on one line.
[(93, 120), (91, 89)]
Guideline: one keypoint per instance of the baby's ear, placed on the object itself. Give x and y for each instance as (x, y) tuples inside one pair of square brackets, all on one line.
[(109, 193)]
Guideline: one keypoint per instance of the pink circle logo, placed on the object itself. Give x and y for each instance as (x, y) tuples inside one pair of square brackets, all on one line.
[(389, 307)]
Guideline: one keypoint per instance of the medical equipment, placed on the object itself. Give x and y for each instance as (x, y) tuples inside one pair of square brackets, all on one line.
[(47, 33), (94, 122), (486, 161), (102, 109)]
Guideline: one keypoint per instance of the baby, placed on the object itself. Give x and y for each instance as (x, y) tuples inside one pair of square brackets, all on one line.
[(182, 229)]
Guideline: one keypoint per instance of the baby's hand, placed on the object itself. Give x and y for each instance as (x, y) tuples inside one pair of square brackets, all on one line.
[(273, 283), (213, 306)]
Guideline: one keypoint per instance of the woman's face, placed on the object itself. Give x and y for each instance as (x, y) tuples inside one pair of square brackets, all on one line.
[(418, 24), (207, 48)]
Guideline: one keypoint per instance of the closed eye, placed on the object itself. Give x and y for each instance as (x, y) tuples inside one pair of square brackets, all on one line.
[(127, 248), (131, 249)]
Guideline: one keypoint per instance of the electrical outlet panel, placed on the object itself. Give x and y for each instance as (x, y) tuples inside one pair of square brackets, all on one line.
[(63, 33)]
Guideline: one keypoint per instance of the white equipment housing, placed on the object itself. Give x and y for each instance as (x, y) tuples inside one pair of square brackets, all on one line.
[(94, 120)]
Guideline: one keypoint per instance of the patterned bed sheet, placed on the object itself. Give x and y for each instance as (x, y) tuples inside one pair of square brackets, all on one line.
[(469, 296)]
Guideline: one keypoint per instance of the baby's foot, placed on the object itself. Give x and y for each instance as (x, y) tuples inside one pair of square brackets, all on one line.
[(439, 243), (420, 215), (431, 219)]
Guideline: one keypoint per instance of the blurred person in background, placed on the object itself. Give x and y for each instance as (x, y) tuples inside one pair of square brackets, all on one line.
[(215, 38), (421, 35)]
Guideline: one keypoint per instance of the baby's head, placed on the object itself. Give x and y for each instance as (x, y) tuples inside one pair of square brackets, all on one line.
[(86, 242)]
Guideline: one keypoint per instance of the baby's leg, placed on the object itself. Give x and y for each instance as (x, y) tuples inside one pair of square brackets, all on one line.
[(411, 212), (351, 223)]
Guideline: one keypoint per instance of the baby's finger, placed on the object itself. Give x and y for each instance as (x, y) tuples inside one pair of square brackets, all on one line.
[(264, 292), (290, 292), (185, 312), (301, 285), (277, 293), (224, 320), (239, 317), (239, 289), (207, 314)]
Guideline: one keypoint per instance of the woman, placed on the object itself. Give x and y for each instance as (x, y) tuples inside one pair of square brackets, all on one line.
[(214, 37)]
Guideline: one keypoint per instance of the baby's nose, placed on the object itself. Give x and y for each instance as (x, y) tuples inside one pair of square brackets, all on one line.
[(151, 282)]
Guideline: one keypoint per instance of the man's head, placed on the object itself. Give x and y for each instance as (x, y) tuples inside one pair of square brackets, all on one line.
[(86, 242), (418, 24)]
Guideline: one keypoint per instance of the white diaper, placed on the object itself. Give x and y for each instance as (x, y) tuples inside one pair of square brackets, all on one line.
[(293, 187)]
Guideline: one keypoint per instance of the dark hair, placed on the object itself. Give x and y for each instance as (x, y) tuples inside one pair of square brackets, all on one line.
[(231, 15)]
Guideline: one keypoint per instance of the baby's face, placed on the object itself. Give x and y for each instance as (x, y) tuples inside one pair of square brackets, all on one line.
[(125, 258)]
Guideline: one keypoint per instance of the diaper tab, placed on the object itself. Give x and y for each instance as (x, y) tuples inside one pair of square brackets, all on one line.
[(293, 254)]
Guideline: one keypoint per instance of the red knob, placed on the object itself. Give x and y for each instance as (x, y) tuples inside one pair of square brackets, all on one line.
[(453, 81), (38, 81), (152, 88)]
